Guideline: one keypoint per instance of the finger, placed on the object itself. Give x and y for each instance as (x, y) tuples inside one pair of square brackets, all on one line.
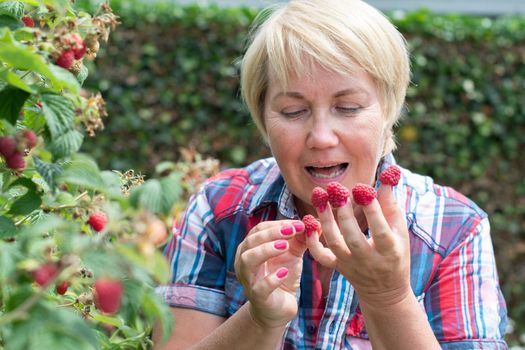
[(383, 236), (352, 234), (332, 236), (265, 225), (321, 254), (262, 289), (284, 229), (390, 208), (252, 259)]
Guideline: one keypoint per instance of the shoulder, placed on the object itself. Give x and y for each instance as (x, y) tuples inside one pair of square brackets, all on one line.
[(440, 215), (239, 189)]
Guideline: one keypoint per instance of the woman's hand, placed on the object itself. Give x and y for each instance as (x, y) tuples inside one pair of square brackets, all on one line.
[(377, 267), (268, 264)]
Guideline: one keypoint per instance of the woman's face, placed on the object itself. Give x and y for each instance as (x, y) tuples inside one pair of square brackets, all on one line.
[(324, 127)]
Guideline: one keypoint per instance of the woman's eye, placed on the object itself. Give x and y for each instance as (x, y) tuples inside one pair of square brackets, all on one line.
[(293, 114), (348, 110)]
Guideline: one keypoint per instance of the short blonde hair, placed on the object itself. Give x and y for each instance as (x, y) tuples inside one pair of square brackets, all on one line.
[(336, 34)]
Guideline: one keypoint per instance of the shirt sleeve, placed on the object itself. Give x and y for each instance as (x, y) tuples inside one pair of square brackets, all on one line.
[(196, 262), (464, 303)]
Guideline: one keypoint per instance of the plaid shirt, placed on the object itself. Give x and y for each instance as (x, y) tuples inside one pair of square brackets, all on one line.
[(453, 272)]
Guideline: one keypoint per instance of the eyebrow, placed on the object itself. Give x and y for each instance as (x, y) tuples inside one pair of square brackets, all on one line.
[(351, 91)]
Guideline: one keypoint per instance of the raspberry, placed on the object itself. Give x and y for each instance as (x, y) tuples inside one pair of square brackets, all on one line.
[(108, 294), (79, 48), (66, 58), (7, 146), (311, 225), (16, 161), (319, 198), (337, 194), (30, 138), (39, 104), (363, 194), (98, 221), (28, 21), (62, 288), (390, 176), (44, 274)]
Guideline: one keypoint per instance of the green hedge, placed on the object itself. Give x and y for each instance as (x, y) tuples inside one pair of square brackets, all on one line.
[(170, 80)]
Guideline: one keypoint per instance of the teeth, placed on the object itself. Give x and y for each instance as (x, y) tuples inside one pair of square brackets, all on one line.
[(338, 172)]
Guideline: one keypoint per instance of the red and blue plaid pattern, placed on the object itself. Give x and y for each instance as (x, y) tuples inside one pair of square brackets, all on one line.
[(453, 272)]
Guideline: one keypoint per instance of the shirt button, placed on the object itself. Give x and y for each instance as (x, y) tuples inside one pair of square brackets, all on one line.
[(311, 328)]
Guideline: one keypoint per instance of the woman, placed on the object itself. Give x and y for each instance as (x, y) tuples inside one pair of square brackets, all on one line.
[(325, 82)]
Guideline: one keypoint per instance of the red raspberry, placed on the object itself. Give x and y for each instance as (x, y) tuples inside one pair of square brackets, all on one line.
[(28, 21), (16, 161), (44, 274), (363, 194), (98, 221), (7, 146), (319, 198), (79, 48), (390, 176), (62, 288), (30, 138), (311, 225), (66, 58), (39, 104), (337, 194), (108, 294)]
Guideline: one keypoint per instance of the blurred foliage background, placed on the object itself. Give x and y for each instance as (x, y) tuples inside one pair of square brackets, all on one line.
[(170, 80)]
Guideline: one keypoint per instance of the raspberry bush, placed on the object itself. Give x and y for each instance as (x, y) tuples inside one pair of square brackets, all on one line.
[(79, 255)]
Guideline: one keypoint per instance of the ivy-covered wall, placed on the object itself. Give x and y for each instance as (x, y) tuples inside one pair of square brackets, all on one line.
[(169, 77)]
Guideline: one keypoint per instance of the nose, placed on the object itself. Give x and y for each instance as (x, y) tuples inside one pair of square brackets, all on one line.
[(322, 132)]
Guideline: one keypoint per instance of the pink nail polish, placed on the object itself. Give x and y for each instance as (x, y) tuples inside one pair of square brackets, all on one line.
[(281, 245), (286, 230), (282, 272), (299, 226)]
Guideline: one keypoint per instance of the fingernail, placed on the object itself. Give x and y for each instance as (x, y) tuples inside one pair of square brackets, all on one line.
[(287, 230), (280, 245), (299, 226), (282, 272)]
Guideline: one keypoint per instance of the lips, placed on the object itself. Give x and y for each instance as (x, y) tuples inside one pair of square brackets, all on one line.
[(327, 172)]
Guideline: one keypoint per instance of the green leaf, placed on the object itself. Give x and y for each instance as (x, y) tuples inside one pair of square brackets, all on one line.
[(156, 308), (27, 203), (11, 102), (148, 196), (12, 8), (59, 114), (82, 171), (66, 144), (48, 171), (9, 22), (171, 191), (14, 80), (24, 57), (9, 255), (7, 227), (83, 74), (25, 182)]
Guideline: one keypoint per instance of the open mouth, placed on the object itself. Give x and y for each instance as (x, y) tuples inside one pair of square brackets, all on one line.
[(328, 172)]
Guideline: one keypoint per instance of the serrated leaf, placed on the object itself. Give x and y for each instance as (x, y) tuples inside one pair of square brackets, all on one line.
[(7, 227), (24, 57), (48, 171), (12, 8), (112, 183), (9, 22), (27, 203), (9, 255), (84, 172), (66, 144), (171, 191), (14, 80), (83, 74), (11, 102), (59, 114), (25, 182), (148, 196)]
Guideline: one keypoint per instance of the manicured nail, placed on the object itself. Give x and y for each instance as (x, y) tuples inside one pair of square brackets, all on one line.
[(299, 226), (281, 245), (287, 230), (282, 272)]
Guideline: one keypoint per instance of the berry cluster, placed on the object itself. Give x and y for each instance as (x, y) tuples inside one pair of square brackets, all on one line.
[(311, 225), (13, 148)]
